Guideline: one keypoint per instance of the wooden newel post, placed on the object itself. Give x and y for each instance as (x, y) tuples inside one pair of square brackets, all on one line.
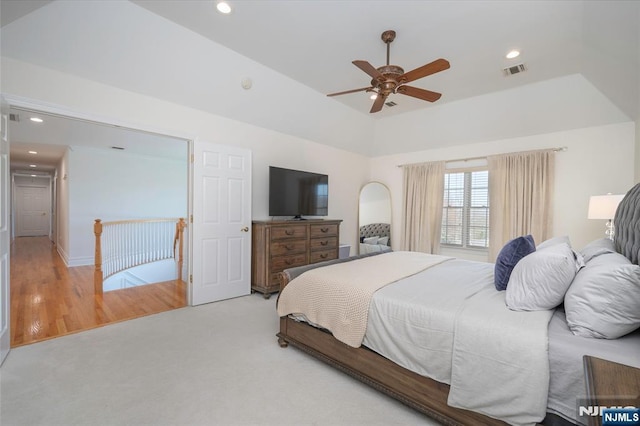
[(180, 234), (97, 275), (97, 230)]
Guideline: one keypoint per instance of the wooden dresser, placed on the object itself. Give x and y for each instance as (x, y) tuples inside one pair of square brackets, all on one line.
[(278, 245)]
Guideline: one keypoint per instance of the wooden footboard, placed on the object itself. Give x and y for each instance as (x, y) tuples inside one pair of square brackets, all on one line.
[(421, 393)]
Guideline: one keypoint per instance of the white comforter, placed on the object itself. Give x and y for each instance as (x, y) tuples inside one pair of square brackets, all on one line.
[(449, 323), (337, 297)]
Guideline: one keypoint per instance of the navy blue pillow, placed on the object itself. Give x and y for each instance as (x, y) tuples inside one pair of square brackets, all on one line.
[(510, 254)]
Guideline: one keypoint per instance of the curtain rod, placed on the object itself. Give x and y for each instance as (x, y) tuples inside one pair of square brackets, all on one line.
[(560, 149)]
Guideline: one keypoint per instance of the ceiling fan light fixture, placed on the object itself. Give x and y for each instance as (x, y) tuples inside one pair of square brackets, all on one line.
[(223, 7), (513, 54), (373, 96)]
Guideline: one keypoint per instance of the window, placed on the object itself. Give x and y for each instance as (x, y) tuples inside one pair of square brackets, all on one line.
[(465, 211)]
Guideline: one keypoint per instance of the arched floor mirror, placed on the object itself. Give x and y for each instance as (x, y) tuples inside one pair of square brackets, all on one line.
[(374, 218)]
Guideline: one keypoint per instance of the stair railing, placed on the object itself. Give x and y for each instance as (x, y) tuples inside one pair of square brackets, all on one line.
[(124, 244)]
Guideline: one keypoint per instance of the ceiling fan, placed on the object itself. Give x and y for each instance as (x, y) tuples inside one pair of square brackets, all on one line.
[(390, 79)]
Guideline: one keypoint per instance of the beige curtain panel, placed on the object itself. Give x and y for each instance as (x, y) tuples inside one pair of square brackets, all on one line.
[(422, 193), (520, 197)]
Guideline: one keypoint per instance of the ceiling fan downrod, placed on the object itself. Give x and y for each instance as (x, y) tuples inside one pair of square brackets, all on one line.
[(388, 36)]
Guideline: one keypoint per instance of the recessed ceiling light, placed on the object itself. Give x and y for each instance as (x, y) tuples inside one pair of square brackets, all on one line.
[(36, 119), (513, 54), (33, 152), (32, 165), (223, 7)]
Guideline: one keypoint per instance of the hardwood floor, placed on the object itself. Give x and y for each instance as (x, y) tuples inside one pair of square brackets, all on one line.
[(50, 300)]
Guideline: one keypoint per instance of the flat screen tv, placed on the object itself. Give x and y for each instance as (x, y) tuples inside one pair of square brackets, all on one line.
[(297, 193)]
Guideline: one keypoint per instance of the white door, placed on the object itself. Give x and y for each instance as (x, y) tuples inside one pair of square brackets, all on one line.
[(33, 204), (5, 331), (221, 229)]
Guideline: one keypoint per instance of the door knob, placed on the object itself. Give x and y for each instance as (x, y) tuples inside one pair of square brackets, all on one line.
[(245, 229)]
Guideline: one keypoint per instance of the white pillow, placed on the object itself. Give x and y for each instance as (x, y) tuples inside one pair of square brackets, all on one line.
[(383, 241), (596, 248), (540, 280), (371, 240), (604, 299), (553, 241)]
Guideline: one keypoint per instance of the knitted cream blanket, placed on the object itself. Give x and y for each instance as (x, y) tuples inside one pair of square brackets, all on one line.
[(337, 297)]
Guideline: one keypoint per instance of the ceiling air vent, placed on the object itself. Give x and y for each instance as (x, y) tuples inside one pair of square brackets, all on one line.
[(390, 104), (516, 69), (14, 117)]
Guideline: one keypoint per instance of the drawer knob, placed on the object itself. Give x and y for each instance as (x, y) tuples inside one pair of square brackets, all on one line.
[(288, 261), (324, 229), (289, 231), (324, 256), (289, 247), (324, 243)]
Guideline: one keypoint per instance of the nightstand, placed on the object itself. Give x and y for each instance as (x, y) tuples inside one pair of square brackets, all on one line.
[(610, 384)]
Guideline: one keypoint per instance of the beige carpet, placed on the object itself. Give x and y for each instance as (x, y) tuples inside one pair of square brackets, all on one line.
[(216, 364)]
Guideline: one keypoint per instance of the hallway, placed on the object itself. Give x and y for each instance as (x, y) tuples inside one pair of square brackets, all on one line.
[(50, 300)]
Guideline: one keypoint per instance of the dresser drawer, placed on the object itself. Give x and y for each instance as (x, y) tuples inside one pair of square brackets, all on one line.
[(292, 231), (288, 247), (281, 263), (324, 243), (321, 256), (321, 230)]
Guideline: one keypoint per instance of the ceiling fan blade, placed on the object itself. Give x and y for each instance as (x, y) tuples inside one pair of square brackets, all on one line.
[(350, 91), (369, 69), (378, 103), (425, 70), (425, 95)]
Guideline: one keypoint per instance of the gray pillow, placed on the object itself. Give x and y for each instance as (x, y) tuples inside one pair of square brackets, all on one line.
[(540, 280), (604, 299), (596, 248)]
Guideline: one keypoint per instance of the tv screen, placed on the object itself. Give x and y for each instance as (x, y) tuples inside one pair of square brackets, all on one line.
[(297, 193)]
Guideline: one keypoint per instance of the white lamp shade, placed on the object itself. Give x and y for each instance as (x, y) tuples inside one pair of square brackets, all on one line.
[(603, 206)]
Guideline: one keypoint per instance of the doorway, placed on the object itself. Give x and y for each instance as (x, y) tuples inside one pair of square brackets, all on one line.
[(52, 272)]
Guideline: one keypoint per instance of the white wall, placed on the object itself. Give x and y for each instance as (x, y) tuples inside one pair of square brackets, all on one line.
[(598, 160), (115, 185), (347, 171), (62, 208)]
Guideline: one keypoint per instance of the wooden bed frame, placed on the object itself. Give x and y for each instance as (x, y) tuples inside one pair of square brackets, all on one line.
[(421, 393)]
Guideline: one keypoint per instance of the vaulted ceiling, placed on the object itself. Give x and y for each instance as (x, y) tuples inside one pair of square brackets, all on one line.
[(314, 42)]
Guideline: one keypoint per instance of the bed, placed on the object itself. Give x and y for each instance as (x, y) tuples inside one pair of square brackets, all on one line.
[(375, 237), (488, 383)]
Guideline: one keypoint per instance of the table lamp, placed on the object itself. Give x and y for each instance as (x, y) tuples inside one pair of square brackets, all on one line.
[(604, 207)]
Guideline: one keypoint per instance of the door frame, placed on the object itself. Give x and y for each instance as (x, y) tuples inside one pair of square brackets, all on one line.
[(53, 109)]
